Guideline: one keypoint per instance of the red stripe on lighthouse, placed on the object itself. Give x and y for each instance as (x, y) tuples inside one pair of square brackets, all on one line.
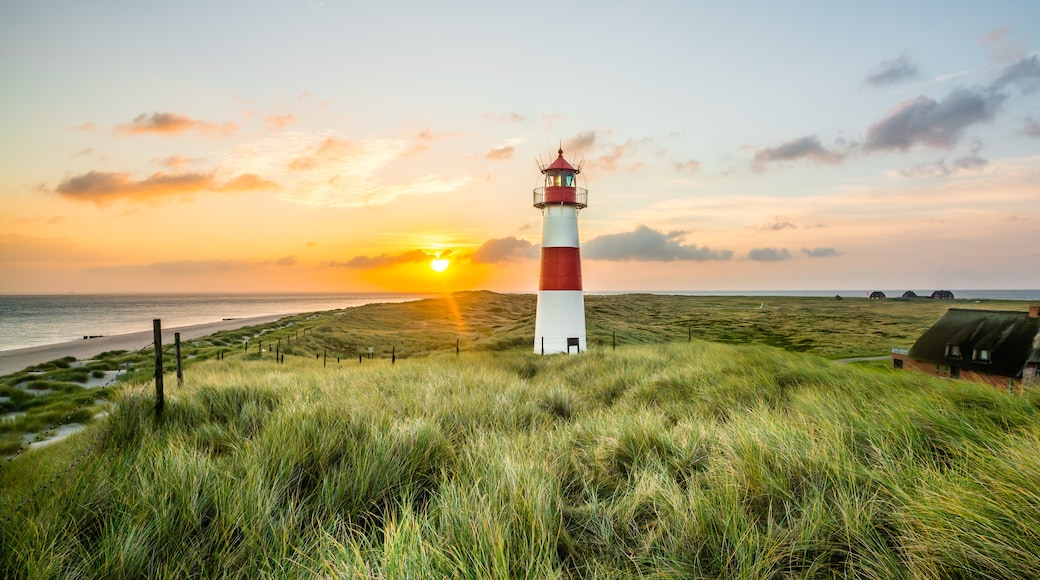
[(561, 269)]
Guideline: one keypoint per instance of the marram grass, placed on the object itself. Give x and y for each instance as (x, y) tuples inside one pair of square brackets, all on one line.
[(692, 460)]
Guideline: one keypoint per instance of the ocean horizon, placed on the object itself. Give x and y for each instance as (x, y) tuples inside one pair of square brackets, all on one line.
[(28, 320)]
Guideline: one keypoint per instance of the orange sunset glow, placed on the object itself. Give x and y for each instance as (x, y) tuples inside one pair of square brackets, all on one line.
[(310, 148)]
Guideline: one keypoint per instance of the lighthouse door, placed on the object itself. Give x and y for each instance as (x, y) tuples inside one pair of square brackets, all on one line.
[(575, 343)]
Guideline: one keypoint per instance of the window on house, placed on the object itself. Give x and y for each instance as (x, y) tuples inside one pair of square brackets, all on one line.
[(897, 363), (953, 350), (955, 372), (981, 355)]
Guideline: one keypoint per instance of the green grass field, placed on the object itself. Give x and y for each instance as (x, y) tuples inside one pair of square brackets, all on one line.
[(663, 458)]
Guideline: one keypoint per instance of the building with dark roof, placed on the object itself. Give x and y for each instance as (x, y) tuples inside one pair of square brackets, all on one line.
[(942, 295), (909, 294), (997, 347), (877, 295)]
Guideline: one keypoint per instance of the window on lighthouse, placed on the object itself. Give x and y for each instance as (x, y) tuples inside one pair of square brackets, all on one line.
[(566, 180)]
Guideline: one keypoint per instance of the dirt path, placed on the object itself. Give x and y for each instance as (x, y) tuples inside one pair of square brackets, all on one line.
[(12, 361)]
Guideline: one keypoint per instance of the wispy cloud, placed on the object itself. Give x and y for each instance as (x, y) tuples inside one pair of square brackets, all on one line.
[(1002, 47), (645, 244), (500, 153), (103, 187), (385, 260), (172, 124), (890, 72), (779, 222), (331, 170), (691, 166), (807, 147), (1031, 128), (179, 268), (970, 162), (505, 250), (509, 117), (279, 121), (174, 161)]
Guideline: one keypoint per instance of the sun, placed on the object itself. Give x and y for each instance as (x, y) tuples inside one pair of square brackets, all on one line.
[(440, 264)]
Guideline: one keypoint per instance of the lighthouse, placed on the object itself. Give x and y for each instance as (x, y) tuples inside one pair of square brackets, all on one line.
[(560, 322)]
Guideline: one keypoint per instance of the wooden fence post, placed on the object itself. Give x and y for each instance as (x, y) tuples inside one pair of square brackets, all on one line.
[(177, 349), (157, 336)]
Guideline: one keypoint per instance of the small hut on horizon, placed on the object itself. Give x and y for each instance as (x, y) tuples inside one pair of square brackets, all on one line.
[(909, 294), (877, 295), (942, 295)]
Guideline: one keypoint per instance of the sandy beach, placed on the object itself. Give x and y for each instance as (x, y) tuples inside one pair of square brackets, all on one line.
[(17, 359)]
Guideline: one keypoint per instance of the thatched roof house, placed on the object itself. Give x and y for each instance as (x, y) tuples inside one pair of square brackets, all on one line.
[(998, 347), (909, 294), (942, 295), (877, 295)]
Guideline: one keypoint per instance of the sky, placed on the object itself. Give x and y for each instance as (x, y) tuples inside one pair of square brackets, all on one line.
[(334, 146)]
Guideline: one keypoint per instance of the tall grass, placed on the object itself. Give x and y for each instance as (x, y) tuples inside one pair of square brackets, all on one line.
[(686, 460)]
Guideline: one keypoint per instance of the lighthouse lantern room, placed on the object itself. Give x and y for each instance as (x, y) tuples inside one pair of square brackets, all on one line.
[(560, 320)]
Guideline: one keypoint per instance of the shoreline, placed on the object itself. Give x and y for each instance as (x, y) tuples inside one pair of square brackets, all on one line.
[(14, 360)]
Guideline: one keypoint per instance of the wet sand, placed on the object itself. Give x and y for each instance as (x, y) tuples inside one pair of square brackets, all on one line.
[(12, 361)]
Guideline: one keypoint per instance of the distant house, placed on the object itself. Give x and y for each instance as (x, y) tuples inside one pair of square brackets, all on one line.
[(909, 294), (942, 295), (997, 347), (877, 295)]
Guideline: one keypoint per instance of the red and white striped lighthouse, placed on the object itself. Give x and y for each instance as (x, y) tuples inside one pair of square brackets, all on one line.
[(560, 323)]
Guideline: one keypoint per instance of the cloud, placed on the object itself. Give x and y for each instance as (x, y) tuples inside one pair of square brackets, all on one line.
[(890, 72), (820, 252), (807, 147), (768, 254), (1023, 75), (1001, 47), (83, 153), (580, 143), (504, 117), (692, 166), (174, 161), (102, 187), (940, 124), (779, 222), (329, 170), (505, 250), (279, 121), (648, 245), (501, 153), (88, 128), (1031, 128), (385, 260), (925, 121), (172, 124), (970, 162), (192, 267)]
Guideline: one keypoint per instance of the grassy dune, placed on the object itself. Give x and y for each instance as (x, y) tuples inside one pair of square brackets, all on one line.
[(681, 459)]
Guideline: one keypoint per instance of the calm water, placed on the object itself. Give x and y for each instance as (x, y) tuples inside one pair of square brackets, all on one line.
[(47, 319), (37, 320)]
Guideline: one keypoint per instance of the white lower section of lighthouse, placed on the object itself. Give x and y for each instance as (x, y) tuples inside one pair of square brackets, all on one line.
[(560, 323)]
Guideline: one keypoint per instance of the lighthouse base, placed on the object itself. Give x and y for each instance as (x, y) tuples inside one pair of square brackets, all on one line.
[(560, 322)]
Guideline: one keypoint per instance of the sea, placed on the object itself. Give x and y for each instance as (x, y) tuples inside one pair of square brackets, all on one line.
[(37, 320)]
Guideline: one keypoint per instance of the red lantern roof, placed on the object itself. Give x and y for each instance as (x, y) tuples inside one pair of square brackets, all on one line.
[(561, 164)]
